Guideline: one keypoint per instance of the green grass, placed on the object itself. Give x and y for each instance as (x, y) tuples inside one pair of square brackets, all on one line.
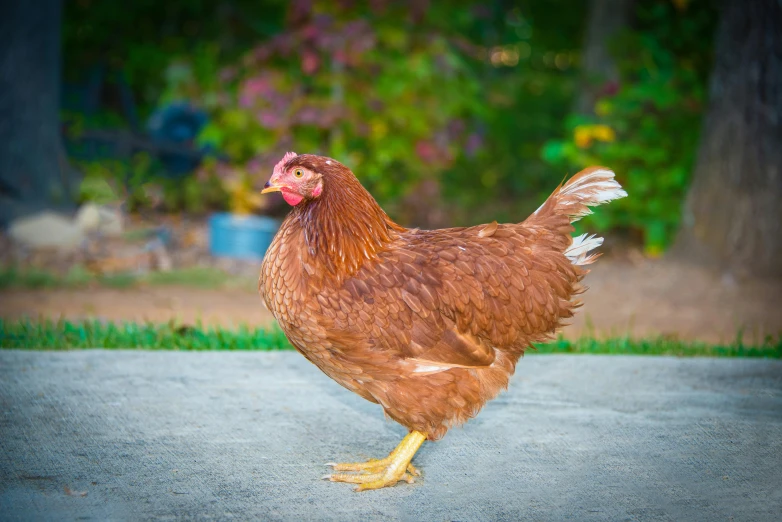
[(12, 278), (198, 277), (771, 348), (79, 277), (64, 335)]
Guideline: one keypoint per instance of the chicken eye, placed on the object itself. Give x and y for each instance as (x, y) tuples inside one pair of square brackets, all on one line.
[(298, 173)]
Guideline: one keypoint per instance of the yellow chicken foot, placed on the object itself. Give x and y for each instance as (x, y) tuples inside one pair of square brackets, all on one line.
[(376, 474), (370, 466)]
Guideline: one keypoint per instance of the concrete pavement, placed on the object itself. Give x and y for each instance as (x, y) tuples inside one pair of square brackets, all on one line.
[(138, 435)]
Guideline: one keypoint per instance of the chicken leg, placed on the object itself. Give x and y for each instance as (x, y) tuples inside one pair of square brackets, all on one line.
[(376, 474)]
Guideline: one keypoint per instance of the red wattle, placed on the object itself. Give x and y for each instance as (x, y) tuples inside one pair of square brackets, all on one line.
[(291, 198)]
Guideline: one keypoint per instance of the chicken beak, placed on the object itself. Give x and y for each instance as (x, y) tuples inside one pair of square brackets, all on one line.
[(268, 187)]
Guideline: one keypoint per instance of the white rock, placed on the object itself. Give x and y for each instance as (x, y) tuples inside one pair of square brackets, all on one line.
[(46, 230), (96, 218), (88, 217)]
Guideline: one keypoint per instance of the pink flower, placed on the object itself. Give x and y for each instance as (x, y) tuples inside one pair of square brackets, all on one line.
[(609, 88), (309, 62), (252, 88), (268, 119), (426, 151), (340, 56), (474, 143), (310, 32), (254, 165), (227, 74), (308, 116), (262, 52)]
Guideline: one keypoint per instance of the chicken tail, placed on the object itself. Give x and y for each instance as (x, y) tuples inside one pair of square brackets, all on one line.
[(591, 187)]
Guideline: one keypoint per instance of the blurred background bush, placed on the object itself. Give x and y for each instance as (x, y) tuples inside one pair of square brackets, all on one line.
[(449, 112)]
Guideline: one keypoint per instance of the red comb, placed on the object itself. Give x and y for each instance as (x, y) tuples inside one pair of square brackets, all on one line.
[(285, 159)]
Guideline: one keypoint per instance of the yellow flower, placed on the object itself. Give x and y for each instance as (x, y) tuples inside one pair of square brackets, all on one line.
[(604, 133), (583, 135), (244, 199), (379, 129)]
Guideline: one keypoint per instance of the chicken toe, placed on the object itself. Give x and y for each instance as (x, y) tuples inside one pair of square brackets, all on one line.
[(371, 466), (380, 473)]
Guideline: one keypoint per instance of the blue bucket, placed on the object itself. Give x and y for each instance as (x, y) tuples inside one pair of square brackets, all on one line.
[(241, 237)]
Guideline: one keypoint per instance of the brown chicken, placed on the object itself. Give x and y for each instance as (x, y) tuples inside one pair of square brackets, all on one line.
[(427, 323)]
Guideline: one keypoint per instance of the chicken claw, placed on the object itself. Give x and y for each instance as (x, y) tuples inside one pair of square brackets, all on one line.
[(370, 466), (380, 473)]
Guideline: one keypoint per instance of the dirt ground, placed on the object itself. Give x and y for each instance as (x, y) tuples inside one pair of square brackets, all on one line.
[(639, 297)]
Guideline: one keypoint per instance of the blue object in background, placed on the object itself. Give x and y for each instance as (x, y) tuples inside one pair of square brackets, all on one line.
[(177, 123), (241, 237)]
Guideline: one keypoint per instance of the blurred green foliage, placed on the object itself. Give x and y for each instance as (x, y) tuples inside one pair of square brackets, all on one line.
[(140, 185), (388, 103), (647, 129), (461, 105), (78, 276), (140, 39)]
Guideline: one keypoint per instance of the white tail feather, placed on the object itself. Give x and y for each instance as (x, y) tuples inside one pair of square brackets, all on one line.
[(590, 187), (579, 250)]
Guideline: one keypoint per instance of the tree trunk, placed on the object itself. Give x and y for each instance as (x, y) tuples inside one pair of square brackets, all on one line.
[(733, 213), (606, 19), (33, 169)]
